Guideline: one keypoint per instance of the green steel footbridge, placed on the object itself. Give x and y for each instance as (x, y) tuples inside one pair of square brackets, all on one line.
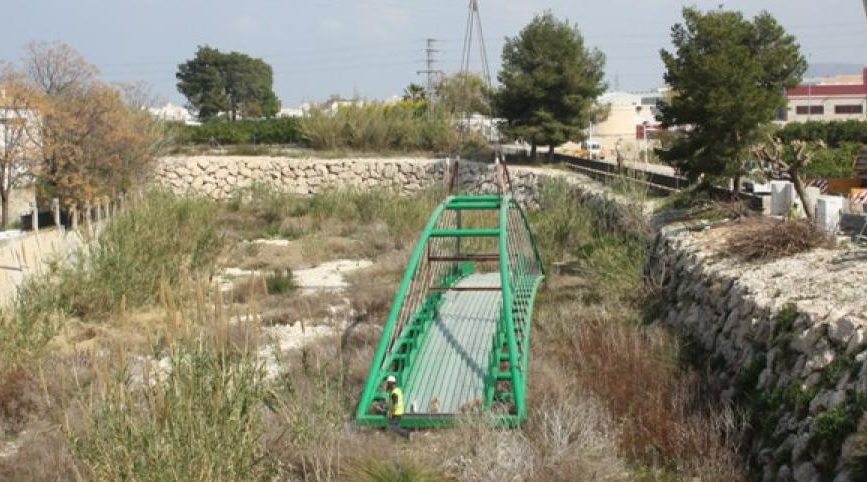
[(458, 335)]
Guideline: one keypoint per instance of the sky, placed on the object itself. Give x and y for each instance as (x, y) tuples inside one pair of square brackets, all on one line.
[(374, 48)]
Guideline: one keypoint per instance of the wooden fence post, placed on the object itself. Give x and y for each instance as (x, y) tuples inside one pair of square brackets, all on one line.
[(73, 217), (35, 214), (55, 212)]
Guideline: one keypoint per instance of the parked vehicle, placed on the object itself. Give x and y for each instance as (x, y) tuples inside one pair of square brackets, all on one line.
[(592, 149)]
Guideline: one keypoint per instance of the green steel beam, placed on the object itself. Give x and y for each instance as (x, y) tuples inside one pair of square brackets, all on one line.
[(474, 206), (474, 198), (465, 233), (505, 281), (436, 421), (373, 379)]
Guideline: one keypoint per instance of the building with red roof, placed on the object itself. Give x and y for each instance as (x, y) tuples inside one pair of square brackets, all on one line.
[(840, 98)]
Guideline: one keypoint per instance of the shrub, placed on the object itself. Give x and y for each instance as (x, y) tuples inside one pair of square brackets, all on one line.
[(833, 133), (833, 162), (381, 128), (763, 239), (280, 282), (158, 242), (264, 131), (198, 420)]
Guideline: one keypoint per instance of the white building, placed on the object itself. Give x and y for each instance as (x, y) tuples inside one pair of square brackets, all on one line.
[(629, 114), (173, 113), (837, 98)]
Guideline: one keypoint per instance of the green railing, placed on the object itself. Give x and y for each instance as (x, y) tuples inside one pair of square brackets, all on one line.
[(437, 263)]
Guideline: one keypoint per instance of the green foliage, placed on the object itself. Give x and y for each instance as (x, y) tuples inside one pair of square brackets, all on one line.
[(199, 421), (263, 131), (414, 93), (464, 92), (833, 425), (231, 83), (280, 282), (833, 162), (159, 241), (728, 76), (832, 133), (590, 236), (262, 209), (376, 127), (550, 82), (785, 319), (837, 369), (29, 324)]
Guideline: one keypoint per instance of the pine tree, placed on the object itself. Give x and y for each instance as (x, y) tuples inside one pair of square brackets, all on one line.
[(550, 82), (728, 76)]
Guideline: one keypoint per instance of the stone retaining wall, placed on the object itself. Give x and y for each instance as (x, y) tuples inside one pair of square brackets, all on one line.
[(220, 176), (784, 340)]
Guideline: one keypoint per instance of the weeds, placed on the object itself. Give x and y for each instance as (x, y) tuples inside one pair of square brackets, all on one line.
[(381, 128), (199, 421), (596, 334), (163, 239), (280, 282)]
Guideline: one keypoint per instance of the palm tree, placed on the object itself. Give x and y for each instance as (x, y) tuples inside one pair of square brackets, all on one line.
[(414, 92)]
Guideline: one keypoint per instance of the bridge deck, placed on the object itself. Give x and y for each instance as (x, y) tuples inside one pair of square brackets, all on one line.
[(453, 360)]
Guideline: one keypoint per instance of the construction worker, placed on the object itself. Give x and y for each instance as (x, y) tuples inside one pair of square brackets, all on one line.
[(794, 213), (395, 407)]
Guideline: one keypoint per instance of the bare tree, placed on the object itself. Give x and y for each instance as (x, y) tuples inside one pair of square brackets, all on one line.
[(792, 159), (56, 68), (17, 147), (137, 95)]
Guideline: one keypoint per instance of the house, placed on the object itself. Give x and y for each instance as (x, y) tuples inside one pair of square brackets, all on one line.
[(835, 98), (173, 113), (630, 116)]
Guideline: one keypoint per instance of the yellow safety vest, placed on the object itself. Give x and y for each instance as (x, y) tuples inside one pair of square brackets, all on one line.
[(395, 398)]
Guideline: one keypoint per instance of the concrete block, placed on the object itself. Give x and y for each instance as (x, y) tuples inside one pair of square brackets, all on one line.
[(813, 194), (828, 210), (782, 197)]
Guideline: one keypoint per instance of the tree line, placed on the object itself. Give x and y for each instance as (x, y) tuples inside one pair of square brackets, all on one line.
[(68, 133)]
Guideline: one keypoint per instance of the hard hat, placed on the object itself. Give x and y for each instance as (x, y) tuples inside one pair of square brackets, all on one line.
[(391, 379)]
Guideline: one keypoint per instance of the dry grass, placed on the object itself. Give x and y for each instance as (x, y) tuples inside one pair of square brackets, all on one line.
[(765, 239), (606, 394)]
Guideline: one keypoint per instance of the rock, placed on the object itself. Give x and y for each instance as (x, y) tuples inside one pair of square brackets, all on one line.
[(804, 342), (806, 472), (841, 329), (843, 476), (818, 361), (856, 342), (784, 473)]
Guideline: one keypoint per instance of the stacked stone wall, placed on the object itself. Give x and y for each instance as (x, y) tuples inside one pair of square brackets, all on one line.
[(785, 341)]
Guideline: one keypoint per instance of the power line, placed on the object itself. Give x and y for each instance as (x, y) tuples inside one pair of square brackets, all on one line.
[(430, 62)]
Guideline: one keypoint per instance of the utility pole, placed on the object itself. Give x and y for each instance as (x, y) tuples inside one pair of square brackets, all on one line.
[(430, 63)]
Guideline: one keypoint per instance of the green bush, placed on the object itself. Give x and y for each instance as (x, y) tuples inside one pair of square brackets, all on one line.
[(264, 131), (834, 133), (280, 282), (159, 241), (200, 421), (380, 128), (834, 161)]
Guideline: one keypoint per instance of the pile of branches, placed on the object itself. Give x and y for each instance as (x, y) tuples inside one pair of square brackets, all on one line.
[(763, 239)]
